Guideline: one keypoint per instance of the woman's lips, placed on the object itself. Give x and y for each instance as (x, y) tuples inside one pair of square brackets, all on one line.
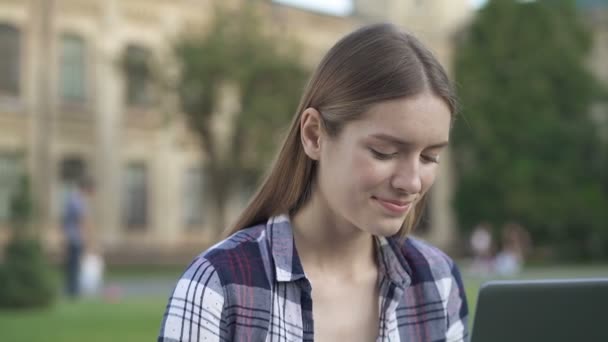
[(393, 206)]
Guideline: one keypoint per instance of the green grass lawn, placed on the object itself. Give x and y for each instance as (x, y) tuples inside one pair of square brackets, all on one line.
[(138, 319), (89, 321)]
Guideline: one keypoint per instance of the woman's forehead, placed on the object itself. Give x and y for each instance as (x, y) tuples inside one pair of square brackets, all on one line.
[(425, 116)]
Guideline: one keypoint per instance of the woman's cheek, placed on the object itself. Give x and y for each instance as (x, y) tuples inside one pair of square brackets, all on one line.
[(369, 171), (428, 178)]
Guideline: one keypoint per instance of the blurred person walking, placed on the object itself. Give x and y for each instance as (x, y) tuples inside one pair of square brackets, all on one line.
[(481, 245), (76, 224), (516, 245)]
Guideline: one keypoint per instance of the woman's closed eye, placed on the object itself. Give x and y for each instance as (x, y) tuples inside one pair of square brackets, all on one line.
[(389, 153), (381, 155), (430, 158)]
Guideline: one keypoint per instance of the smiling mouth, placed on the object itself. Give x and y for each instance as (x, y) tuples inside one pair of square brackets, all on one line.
[(393, 207)]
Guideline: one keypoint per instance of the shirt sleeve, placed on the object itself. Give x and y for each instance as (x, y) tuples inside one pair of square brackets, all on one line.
[(457, 309), (194, 311)]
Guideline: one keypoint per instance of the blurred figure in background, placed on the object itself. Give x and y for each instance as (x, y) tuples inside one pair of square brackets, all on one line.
[(481, 246), (76, 223), (91, 273), (516, 245)]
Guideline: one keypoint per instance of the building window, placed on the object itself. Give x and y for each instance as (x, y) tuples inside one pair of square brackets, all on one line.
[(192, 197), (138, 75), (135, 197), (9, 177), (72, 169), (73, 68), (9, 60)]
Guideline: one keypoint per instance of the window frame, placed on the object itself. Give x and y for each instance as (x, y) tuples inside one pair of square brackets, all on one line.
[(137, 69), (84, 76), (130, 198), (16, 68), (188, 220)]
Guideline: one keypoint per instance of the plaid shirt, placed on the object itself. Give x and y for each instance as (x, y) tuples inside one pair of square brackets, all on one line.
[(252, 287)]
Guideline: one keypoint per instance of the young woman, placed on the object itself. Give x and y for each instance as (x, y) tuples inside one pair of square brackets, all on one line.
[(322, 252)]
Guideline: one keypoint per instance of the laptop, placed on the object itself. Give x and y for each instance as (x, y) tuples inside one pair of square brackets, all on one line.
[(542, 310)]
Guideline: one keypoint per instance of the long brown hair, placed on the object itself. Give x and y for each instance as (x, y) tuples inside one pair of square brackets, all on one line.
[(374, 63)]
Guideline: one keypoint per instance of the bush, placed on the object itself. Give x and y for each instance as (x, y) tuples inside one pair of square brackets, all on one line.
[(25, 277)]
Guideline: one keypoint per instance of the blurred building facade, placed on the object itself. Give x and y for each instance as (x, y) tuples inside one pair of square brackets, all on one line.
[(596, 11), (72, 104)]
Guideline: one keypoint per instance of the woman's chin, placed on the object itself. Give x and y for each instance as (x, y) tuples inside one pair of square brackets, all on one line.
[(388, 227)]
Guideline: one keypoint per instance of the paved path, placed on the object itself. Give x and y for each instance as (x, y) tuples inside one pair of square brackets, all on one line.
[(136, 287)]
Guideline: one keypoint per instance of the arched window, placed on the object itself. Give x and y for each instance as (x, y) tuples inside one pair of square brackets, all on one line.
[(10, 54), (138, 74), (73, 68)]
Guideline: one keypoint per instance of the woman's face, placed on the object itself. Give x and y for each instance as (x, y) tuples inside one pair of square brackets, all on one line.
[(374, 171)]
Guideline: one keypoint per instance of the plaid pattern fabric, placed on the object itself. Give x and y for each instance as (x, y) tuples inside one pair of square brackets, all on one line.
[(252, 287)]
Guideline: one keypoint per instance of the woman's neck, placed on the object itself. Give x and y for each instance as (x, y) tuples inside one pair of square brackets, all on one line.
[(330, 244)]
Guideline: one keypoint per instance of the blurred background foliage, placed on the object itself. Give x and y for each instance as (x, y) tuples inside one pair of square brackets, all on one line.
[(526, 146), (267, 78)]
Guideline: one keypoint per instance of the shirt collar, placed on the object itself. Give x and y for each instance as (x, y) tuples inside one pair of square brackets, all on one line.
[(392, 262), (288, 267)]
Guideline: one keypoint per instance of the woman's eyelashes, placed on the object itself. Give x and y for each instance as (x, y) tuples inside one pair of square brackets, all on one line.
[(430, 158), (382, 155), (385, 155)]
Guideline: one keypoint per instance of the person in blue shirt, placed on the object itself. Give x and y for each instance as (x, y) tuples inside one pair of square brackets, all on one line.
[(323, 251), (75, 224)]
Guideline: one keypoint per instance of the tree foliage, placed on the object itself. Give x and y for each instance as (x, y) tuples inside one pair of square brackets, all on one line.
[(26, 280), (268, 77), (526, 147)]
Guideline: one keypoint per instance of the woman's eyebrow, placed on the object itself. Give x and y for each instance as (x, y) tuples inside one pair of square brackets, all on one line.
[(400, 142)]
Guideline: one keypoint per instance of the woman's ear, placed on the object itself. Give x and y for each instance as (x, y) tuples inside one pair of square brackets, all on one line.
[(310, 132)]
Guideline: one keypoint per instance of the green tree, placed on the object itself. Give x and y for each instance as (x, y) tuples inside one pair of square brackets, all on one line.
[(267, 77), (526, 148), (25, 277)]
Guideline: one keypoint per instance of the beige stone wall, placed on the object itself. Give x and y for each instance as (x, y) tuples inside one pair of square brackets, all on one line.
[(599, 55), (598, 64), (108, 135)]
